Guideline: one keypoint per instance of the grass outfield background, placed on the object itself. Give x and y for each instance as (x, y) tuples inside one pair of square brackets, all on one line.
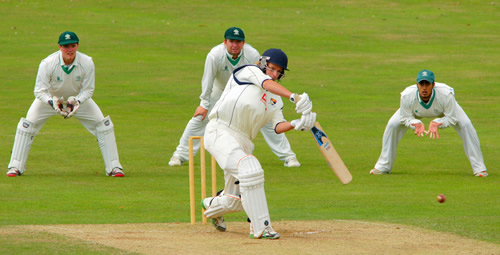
[(352, 57)]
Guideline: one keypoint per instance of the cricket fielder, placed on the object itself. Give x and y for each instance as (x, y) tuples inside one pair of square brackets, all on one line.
[(251, 99), (429, 99), (221, 61), (65, 74)]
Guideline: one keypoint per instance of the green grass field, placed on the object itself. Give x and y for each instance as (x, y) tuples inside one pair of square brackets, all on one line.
[(352, 57)]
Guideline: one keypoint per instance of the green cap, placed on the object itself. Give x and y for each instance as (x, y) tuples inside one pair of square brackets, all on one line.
[(68, 37), (425, 75), (234, 33)]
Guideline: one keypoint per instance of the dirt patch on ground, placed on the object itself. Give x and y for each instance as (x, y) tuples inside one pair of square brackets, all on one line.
[(297, 237)]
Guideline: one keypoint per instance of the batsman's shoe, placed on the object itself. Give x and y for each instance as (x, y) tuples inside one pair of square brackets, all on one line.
[(175, 161), (482, 174), (376, 171), (13, 172), (268, 233), (116, 172), (218, 222), (292, 162)]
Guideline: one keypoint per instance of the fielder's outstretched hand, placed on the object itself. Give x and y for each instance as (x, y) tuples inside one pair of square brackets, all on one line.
[(71, 106), (433, 130), (419, 129), (58, 105)]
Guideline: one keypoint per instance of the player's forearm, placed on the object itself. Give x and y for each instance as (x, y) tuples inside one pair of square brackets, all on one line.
[(42, 84), (276, 88), (283, 127), (206, 92)]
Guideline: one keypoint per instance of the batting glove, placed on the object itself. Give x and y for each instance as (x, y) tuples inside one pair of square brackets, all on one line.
[(303, 104), (58, 105), (305, 123), (71, 106)]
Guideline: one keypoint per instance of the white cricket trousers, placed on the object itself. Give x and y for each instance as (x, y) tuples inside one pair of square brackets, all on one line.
[(89, 114), (394, 131), (228, 147)]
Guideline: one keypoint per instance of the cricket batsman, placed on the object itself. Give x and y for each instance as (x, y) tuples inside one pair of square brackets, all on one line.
[(64, 86), (251, 99), (221, 61)]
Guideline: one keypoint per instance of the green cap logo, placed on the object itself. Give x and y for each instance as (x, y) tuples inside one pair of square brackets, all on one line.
[(68, 37)]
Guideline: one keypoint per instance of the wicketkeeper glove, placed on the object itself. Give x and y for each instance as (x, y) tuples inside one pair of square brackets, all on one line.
[(303, 104), (71, 106), (305, 123), (58, 105)]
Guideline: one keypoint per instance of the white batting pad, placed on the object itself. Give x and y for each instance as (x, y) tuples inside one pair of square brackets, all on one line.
[(106, 138), (25, 135), (253, 196), (223, 204)]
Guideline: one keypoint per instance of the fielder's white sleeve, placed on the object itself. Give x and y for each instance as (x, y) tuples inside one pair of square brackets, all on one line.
[(88, 83), (207, 82), (406, 116), (449, 104), (42, 83)]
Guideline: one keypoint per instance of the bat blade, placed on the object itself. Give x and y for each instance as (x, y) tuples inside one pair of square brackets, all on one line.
[(330, 154)]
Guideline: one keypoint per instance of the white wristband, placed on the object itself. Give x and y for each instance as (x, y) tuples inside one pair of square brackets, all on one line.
[(292, 98), (294, 122)]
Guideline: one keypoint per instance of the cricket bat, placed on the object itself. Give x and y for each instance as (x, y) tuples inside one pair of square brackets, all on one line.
[(330, 154)]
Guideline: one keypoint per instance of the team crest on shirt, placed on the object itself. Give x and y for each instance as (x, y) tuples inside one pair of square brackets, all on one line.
[(273, 101)]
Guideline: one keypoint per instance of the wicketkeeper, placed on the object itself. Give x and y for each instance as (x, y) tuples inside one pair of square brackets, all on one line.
[(64, 86), (251, 99)]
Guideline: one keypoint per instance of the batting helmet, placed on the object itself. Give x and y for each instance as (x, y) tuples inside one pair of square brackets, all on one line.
[(275, 56)]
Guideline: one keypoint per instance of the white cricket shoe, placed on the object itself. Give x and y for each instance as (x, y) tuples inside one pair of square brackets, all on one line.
[(175, 161), (268, 233), (292, 162), (482, 174), (376, 171), (13, 172), (218, 222)]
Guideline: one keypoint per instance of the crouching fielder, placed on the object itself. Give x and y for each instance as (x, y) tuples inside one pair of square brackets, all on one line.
[(251, 99), (65, 74)]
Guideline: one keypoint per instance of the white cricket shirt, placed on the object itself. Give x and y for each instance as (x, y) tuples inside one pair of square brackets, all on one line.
[(442, 105), (54, 79), (245, 106), (219, 66)]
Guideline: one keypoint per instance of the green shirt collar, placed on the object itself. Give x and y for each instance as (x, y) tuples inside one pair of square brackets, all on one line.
[(428, 104), (63, 66), (233, 62)]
